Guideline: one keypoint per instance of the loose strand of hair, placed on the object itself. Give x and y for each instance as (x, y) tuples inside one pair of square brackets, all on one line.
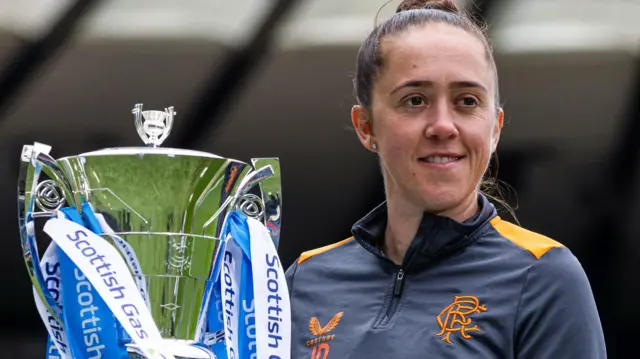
[(494, 189), (375, 21)]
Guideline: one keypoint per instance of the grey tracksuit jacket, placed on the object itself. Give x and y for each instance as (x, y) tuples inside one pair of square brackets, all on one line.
[(484, 288)]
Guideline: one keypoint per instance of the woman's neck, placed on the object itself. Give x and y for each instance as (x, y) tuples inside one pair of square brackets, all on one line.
[(403, 221), (402, 226)]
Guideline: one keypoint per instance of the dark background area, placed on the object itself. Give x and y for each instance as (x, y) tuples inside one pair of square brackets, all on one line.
[(273, 78)]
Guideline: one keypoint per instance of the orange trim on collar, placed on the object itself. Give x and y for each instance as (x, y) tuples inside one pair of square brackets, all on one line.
[(308, 254)]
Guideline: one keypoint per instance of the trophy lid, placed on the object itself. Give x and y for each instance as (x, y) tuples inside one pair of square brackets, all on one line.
[(153, 127), (151, 151)]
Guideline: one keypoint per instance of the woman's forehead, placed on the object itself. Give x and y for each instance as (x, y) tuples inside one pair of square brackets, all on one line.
[(435, 37), (435, 49)]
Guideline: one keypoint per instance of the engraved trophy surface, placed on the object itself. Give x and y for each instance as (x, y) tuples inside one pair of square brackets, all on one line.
[(167, 207)]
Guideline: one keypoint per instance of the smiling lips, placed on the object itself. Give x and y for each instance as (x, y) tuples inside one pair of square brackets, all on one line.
[(441, 160)]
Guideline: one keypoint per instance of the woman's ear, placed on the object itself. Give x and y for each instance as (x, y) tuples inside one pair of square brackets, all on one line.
[(361, 120)]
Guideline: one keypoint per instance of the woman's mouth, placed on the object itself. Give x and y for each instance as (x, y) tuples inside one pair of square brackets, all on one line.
[(440, 159)]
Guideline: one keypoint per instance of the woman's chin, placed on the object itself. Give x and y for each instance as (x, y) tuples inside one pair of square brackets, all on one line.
[(444, 199)]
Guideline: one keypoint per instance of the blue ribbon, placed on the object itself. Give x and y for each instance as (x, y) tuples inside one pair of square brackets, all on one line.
[(91, 328), (238, 229)]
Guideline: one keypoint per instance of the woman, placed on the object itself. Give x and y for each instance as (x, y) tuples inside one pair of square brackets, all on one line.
[(434, 272)]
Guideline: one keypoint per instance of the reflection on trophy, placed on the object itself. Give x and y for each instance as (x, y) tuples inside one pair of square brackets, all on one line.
[(163, 209)]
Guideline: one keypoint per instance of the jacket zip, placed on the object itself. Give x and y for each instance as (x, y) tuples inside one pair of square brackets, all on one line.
[(393, 303), (397, 294), (398, 284), (397, 288)]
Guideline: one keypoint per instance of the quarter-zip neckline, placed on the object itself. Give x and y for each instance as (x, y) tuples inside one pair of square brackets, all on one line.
[(436, 237), (395, 298)]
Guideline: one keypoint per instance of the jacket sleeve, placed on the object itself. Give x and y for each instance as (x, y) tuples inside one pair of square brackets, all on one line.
[(557, 315)]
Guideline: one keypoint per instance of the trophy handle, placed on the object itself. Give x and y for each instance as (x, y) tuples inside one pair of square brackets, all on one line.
[(271, 190), (41, 159), (267, 208), (137, 117), (169, 123), (47, 197)]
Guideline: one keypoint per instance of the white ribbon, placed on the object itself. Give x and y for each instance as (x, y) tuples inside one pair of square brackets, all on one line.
[(129, 255), (108, 273), (271, 336), (230, 276), (272, 305)]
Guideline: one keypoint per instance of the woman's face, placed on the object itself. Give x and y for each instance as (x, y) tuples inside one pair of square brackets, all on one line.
[(433, 118)]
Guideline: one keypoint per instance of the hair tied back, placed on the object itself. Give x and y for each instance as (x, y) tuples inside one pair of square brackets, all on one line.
[(442, 5)]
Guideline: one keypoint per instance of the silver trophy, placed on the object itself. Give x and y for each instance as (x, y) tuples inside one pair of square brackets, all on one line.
[(168, 205)]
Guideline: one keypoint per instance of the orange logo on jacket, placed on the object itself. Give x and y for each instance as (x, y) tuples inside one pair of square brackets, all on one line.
[(320, 348), (455, 317)]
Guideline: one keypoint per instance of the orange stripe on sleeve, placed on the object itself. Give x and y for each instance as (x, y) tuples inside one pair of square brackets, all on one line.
[(533, 242), (306, 255)]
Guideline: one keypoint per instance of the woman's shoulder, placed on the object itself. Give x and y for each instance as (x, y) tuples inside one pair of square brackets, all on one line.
[(538, 245), (330, 262), (556, 297), (546, 259)]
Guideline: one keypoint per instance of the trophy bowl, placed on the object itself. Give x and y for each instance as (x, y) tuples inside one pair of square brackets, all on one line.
[(165, 210)]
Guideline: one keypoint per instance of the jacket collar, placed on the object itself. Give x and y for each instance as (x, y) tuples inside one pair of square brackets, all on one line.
[(436, 235)]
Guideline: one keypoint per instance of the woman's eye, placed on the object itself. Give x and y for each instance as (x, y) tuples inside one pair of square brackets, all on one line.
[(415, 101), (468, 101)]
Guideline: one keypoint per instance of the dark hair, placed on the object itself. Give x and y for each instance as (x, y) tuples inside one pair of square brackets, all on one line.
[(412, 13)]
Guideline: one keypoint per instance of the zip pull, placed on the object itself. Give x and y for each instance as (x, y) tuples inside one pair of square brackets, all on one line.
[(399, 282)]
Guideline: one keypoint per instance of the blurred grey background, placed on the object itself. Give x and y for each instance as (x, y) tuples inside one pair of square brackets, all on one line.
[(256, 78)]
